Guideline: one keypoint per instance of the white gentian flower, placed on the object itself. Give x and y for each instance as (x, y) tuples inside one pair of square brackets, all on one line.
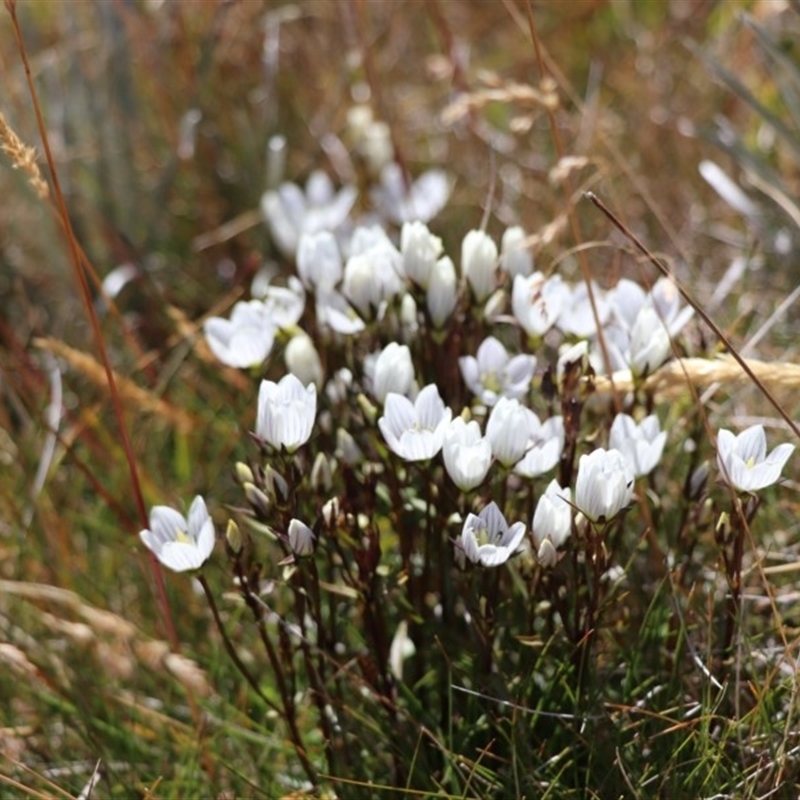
[(509, 429), (577, 317), (290, 212), (552, 522), (334, 312), (650, 343), (179, 542), (286, 412), (390, 371), (666, 299), (478, 263), (373, 273), (245, 339), (743, 461), (487, 539), (420, 250), (283, 304), (302, 359), (493, 374), (467, 454), (537, 301), (515, 258), (545, 445), (415, 431), (399, 203), (641, 444), (442, 292), (604, 485), (319, 262), (301, 538), (626, 298)]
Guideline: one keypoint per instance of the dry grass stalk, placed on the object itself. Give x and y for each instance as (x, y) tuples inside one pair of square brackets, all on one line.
[(22, 157), (129, 391), (670, 381)]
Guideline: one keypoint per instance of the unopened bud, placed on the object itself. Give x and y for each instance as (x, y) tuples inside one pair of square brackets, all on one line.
[(243, 473), (233, 536), (259, 501), (321, 474), (347, 450), (275, 484)]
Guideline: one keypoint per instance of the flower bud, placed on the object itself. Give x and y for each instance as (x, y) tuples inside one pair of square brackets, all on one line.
[(478, 263), (321, 474), (259, 501), (442, 292), (233, 536), (515, 258), (302, 360), (393, 371), (301, 538), (243, 473)]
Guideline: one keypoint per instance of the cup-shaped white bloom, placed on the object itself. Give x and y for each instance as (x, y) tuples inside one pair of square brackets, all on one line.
[(283, 304), (422, 200), (552, 522), (420, 250), (245, 339), (641, 444), (487, 539), (319, 262), (604, 485), (286, 412), (650, 343), (415, 431), (515, 258), (743, 461), (537, 301), (302, 359), (577, 317), (545, 445), (301, 538), (626, 299), (467, 454), (392, 371), (509, 429), (179, 542), (334, 312), (478, 263), (373, 272), (290, 212), (442, 292), (492, 373)]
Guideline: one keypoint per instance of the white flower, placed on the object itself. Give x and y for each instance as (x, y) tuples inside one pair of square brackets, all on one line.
[(399, 203), (245, 339), (286, 412), (290, 212), (650, 343), (283, 304), (478, 263), (178, 542), (373, 273), (641, 444), (415, 431), (509, 429), (577, 316), (487, 539), (302, 359), (552, 522), (301, 538), (319, 262), (493, 374), (442, 292), (545, 445), (515, 258), (467, 454), (390, 371), (421, 250), (743, 461), (604, 485), (537, 301), (334, 312)]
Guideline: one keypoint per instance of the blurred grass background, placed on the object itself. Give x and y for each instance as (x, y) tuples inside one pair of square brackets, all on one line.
[(160, 115)]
